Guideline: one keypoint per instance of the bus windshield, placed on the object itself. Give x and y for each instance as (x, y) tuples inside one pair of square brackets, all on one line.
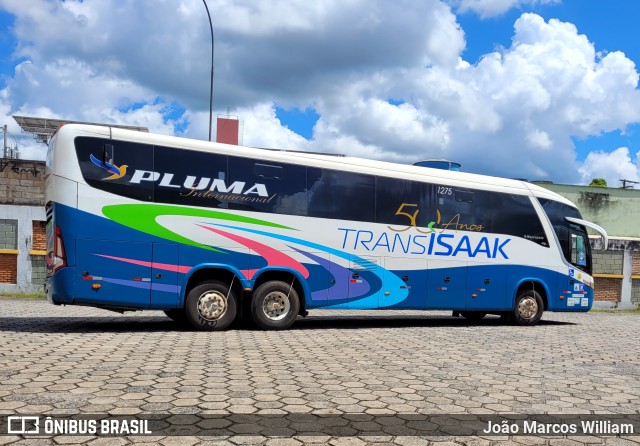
[(573, 238)]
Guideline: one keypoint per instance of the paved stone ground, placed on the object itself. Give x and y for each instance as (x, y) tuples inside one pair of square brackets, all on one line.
[(70, 360)]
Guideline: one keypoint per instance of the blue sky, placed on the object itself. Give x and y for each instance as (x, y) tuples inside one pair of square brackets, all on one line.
[(7, 44), (611, 25), (506, 87)]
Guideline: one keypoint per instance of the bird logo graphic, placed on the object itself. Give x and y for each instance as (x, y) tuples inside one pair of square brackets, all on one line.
[(115, 171)]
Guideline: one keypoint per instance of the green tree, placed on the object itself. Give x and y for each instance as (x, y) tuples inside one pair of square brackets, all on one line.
[(598, 182)]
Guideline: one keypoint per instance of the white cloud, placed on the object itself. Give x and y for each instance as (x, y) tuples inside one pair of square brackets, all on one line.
[(613, 167), (261, 128), (522, 105), (513, 114), (539, 140), (492, 8)]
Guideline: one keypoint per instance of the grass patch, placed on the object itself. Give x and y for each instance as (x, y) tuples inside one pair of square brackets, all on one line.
[(24, 295), (613, 310)]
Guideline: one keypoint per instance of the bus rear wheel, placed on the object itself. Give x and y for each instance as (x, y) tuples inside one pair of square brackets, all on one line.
[(211, 306), (528, 308), (274, 305)]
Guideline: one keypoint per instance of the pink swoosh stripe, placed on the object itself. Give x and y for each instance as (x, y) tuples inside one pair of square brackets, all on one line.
[(273, 257), (167, 267), (163, 266), (248, 273)]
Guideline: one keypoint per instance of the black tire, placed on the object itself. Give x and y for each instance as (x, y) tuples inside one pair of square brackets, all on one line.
[(274, 305), (178, 315), (211, 306), (473, 315), (528, 308)]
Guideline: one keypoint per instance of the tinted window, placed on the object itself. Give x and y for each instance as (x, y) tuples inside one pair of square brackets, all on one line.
[(187, 177), (515, 215), (556, 212), (268, 186), (403, 203), (464, 209), (340, 195), (119, 167)]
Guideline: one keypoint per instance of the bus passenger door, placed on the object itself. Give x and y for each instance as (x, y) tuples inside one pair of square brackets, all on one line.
[(113, 273), (164, 276), (446, 284), (487, 287)]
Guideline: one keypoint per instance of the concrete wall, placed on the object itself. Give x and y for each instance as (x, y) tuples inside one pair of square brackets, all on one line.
[(24, 215), (616, 210), (21, 182), (22, 225), (608, 262), (616, 272)]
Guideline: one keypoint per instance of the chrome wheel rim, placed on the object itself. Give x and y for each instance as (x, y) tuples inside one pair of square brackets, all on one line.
[(276, 305), (528, 307), (212, 305)]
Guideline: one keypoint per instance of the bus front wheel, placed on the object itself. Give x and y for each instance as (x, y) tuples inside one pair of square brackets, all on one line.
[(528, 308), (275, 305), (211, 306)]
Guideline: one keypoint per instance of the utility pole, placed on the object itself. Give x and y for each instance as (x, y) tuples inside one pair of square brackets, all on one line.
[(211, 87), (4, 145)]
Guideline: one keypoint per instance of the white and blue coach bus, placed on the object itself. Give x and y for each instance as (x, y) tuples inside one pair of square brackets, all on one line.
[(204, 230)]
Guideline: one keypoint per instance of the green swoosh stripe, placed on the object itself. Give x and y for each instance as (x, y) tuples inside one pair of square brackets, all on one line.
[(142, 217)]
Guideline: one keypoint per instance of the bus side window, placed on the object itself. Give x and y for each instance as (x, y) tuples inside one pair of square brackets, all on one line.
[(273, 188), (515, 215), (340, 195), (195, 172), (408, 197), (101, 169), (465, 210), (268, 172)]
